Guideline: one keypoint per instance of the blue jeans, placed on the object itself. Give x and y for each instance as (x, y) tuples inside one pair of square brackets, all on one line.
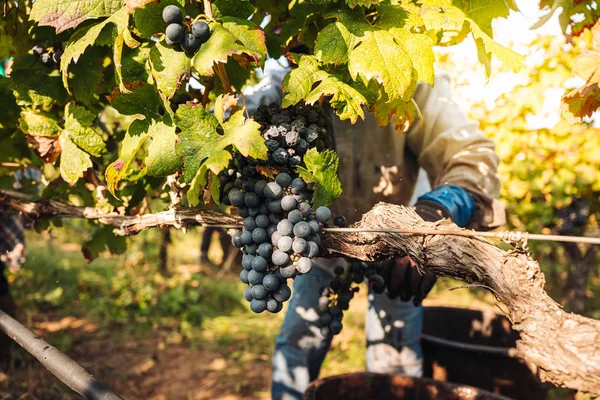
[(393, 330)]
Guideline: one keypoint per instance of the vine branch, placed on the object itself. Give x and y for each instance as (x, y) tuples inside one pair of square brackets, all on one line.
[(564, 346)]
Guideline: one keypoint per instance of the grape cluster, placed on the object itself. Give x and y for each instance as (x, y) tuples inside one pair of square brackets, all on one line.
[(50, 57), (335, 298), (289, 133), (176, 35), (280, 236)]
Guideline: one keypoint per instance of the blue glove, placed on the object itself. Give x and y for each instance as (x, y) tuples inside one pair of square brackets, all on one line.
[(447, 201)]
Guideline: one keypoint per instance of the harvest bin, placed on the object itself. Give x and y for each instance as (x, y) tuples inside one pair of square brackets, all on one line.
[(473, 348), (370, 386)]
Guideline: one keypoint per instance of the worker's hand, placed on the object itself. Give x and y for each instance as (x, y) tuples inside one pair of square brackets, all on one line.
[(402, 275), (405, 281)]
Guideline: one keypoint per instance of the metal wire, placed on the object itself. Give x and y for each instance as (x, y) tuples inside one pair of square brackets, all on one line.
[(506, 236)]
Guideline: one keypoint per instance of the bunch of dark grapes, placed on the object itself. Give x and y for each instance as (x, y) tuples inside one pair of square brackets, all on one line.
[(335, 299), (176, 35), (279, 239), (280, 235), (49, 57), (289, 133)]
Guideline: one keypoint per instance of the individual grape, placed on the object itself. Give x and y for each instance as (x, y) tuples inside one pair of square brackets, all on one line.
[(258, 306), (247, 261), (283, 179), (172, 15), (56, 56), (279, 258), (299, 245), (238, 183), (295, 216), (276, 236), (340, 221), (295, 161), (283, 293), (247, 294), (305, 209), (271, 282), (236, 240), (313, 133), (285, 227), (190, 44), (253, 211), (38, 50), (357, 278), (46, 59), (262, 221), (280, 156), (288, 271), (243, 212), (271, 229), (313, 250), (285, 244), (339, 270), (201, 31), (325, 319), (247, 238), (255, 277), (274, 306), (322, 214), (304, 265), (265, 250), (259, 235), (248, 186), (302, 146), (249, 223), (271, 144), (228, 186), (314, 226), (251, 249), (251, 200), (301, 229), (324, 301), (259, 292), (335, 326), (275, 206), (236, 197), (272, 191), (244, 275), (298, 184), (259, 264), (272, 133), (275, 218), (335, 311), (292, 138), (175, 33), (259, 187), (288, 203)]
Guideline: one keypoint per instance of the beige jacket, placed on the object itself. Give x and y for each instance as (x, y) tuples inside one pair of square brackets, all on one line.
[(378, 164)]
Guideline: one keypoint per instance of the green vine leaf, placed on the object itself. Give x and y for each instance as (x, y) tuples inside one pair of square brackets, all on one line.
[(65, 14), (132, 142), (201, 144), (322, 169), (33, 85), (309, 83), (232, 8), (97, 34), (168, 68), (162, 159), (235, 40), (141, 99)]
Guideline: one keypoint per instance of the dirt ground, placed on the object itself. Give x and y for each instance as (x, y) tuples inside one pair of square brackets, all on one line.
[(135, 367)]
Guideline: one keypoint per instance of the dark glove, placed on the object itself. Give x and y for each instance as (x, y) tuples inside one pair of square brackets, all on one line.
[(402, 276)]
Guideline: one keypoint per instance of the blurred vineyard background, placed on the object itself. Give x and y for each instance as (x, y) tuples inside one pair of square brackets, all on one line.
[(161, 322)]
